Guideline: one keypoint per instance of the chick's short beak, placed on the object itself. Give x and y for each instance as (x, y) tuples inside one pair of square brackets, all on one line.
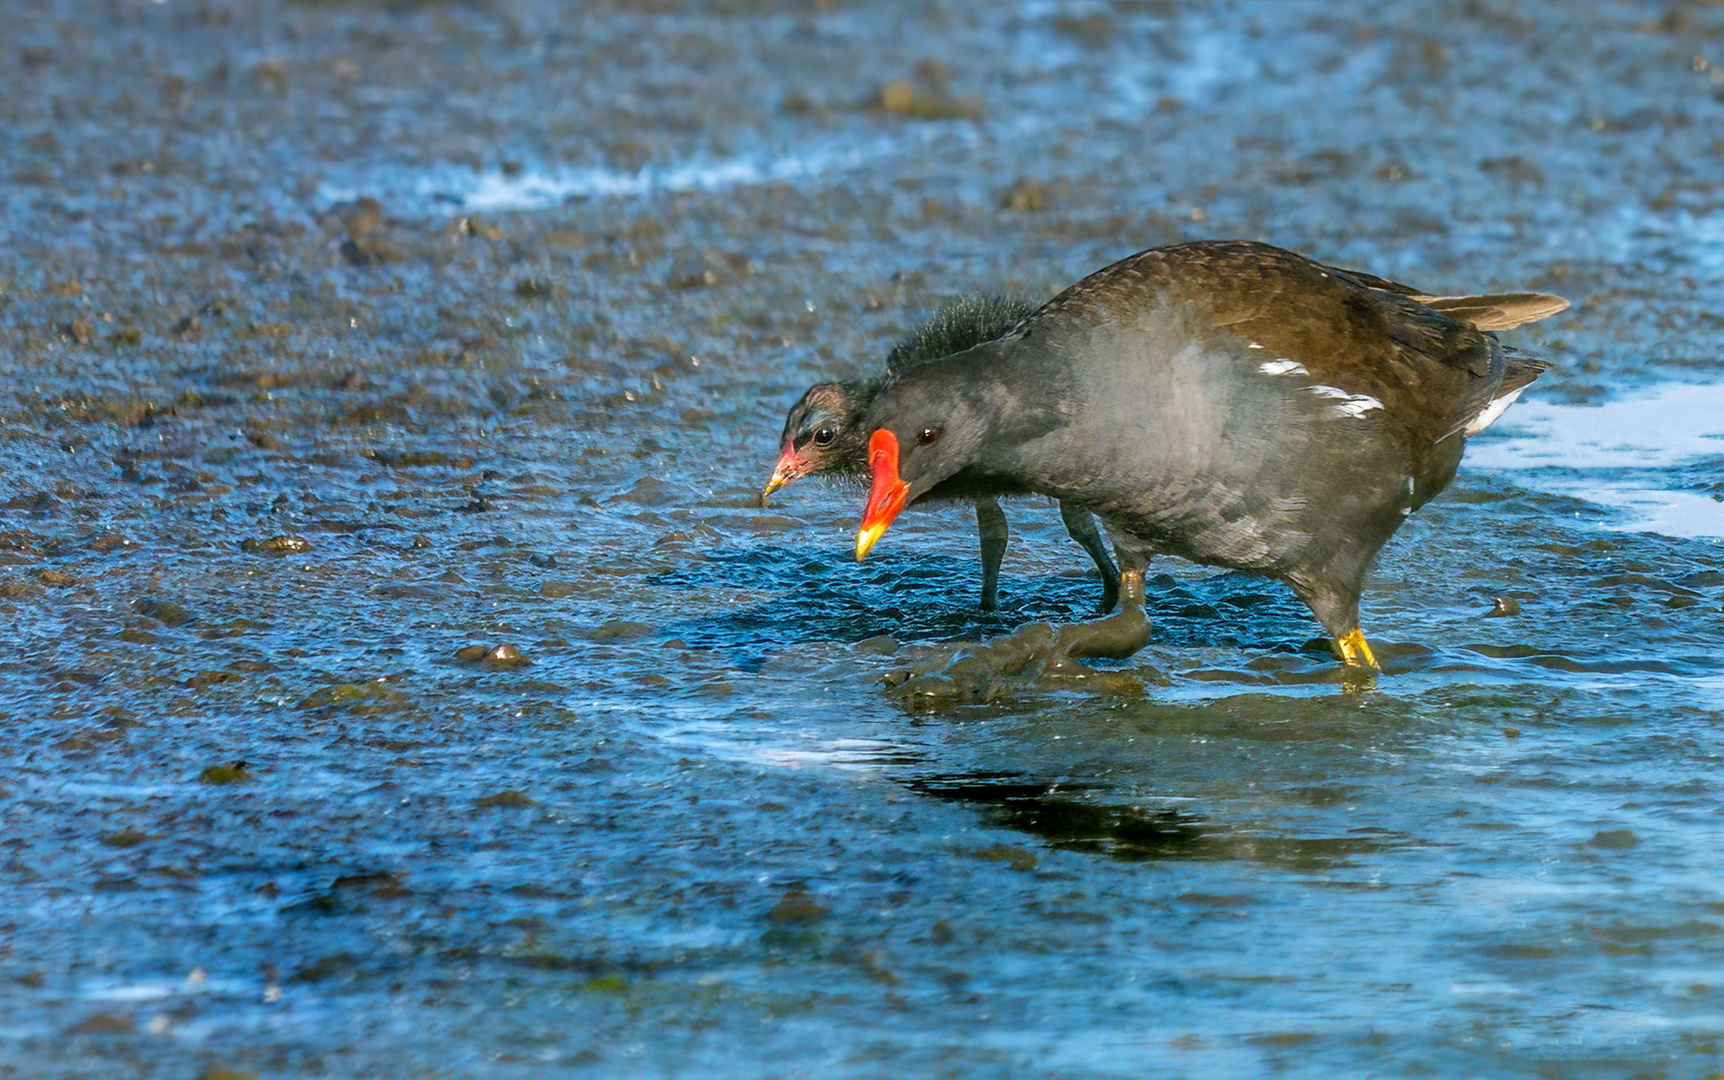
[(888, 494), (787, 469)]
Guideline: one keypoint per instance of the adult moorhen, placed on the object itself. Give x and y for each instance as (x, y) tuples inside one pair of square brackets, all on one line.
[(823, 433), (1226, 401)]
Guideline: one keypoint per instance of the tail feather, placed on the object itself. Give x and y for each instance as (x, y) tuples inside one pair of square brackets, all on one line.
[(1519, 371), (1496, 311)]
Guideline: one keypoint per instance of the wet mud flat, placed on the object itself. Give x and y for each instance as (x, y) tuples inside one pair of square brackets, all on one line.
[(396, 680)]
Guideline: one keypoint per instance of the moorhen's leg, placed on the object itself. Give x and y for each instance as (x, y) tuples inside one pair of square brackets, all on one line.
[(1081, 525), (991, 523), (1120, 634)]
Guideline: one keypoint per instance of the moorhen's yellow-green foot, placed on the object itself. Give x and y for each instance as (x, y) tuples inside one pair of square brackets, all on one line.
[(1227, 402), (1354, 651), (824, 436)]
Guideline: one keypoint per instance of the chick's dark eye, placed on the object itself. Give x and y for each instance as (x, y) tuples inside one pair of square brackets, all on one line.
[(823, 436), (929, 437)]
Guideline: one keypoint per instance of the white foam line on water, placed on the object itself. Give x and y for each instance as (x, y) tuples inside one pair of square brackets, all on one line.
[(463, 190), (1618, 454)]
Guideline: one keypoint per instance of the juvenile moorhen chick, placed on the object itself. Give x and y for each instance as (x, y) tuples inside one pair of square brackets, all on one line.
[(823, 434), (1228, 402)]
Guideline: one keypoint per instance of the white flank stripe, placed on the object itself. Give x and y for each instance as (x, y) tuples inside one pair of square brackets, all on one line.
[(1354, 405), (1282, 367)]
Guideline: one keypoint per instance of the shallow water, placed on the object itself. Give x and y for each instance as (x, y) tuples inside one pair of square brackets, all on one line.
[(1655, 454), (287, 467)]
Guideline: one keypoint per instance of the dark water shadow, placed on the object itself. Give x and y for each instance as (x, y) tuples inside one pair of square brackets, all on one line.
[(1071, 816), (1082, 816)]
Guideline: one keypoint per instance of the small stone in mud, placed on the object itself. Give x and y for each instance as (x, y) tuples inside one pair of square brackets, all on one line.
[(492, 656), (543, 561), (618, 630), (235, 773), (506, 656), (926, 97), (1503, 607), (690, 274), (165, 612), (367, 698), (1026, 196), (361, 216), (326, 967), (1015, 857), (556, 590), (106, 542), (103, 1024), (535, 288), (270, 75), (382, 884), (509, 797), (1614, 839), (263, 440), (78, 331), (276, 545), (363, 251), (796, 906)]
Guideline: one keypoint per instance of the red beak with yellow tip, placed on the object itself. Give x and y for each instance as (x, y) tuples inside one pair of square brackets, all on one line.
[(888, 495), (789, 467)]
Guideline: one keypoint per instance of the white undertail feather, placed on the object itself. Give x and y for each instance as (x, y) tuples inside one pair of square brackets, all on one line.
[(1489, 414), (1282, 367)]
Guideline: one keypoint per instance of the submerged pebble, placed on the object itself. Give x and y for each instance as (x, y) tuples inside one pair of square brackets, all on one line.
[(276, 545), (1614, 839), (237, 772)]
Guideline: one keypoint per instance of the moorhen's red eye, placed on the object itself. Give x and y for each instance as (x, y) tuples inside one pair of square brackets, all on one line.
[(823, 436), (929, 437)]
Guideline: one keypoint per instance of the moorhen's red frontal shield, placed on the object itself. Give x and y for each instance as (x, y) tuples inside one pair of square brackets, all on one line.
[(888, 494)]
